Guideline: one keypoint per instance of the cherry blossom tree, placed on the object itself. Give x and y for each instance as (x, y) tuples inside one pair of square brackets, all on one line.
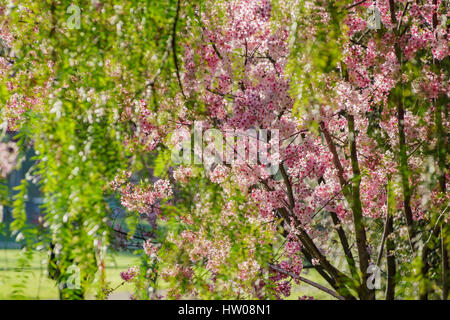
[(354, 94)]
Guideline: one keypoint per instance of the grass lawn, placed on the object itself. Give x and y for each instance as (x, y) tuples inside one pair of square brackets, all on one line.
[(305, 289), (38, 286), (34, 284)]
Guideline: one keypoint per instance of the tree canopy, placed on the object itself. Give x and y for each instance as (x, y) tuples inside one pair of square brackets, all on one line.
[(250, 137)]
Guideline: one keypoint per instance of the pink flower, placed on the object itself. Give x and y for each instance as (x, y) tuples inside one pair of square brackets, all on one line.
[(150, 249), (182, 174), (130, 273)]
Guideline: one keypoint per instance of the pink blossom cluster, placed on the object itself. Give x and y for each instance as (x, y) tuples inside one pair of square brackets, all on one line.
[(129, 274), (150, 249), (182, 174), (238, 71), (141, 198)]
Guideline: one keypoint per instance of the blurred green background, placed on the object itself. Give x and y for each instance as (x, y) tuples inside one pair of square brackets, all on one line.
[(38, 286), (33, 283)]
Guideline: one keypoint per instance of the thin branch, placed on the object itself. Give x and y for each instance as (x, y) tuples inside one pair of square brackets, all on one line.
[(403, 14), (445, 264), (216, 50), (223, 95), (273, 63), (152, 82), (326, 203), (390, 259), (126, 234), (338, 279), (320, 269), (392, 11), (246, 52), (288, 186), (385, 232), (295, 134), (336, 161), (436, 226), (312, 283), (347, 194), (345, 246), (354, 5), (174, 48), (358, 43), (417, 147), (390, 245), (423, 289), (341, 141)]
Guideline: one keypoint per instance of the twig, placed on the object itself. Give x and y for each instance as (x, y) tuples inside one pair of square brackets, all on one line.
[(383, 239), (403, 14), (174, 48), (358, 43), (354, 5), (412, 152), (288, 186), (326, 203), (436, 226), (312, 283)]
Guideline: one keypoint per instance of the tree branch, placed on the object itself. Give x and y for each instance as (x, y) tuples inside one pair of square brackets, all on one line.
[(338, 279), (390, 259), (360, 231), (288, 186), (174, 48), (355, 4), (312, 283), (445, 262), (403, 166), (341, 280), (336, 161), (346, 192), (390, 245), (335, 219)]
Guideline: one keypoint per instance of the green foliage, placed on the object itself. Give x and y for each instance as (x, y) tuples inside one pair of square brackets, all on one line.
[(237, 231), (316, 51), (83, 79)]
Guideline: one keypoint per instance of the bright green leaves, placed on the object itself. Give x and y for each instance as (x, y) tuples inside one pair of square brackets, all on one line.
[(83, 76), (223, 226), (19, 213), (316, 52)]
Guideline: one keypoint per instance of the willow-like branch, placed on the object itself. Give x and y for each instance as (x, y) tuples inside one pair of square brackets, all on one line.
[(174, 48)]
